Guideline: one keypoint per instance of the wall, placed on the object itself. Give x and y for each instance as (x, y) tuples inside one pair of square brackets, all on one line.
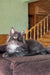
[(29, 0), (13, 13)]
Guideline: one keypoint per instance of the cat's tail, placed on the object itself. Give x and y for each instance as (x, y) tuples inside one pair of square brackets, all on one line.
[(48, 49)]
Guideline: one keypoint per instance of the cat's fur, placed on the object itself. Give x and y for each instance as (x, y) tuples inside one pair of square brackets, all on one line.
[(17, 46)]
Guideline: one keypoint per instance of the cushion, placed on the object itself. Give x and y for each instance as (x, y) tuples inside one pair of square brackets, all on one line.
[(32, 68), (5, 68), (31, 65)]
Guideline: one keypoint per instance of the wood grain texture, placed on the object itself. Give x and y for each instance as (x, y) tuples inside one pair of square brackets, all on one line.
[(39, 10), (39, 7), (3, 38)]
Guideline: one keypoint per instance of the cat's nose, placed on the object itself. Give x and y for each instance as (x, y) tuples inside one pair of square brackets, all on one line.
[(14, 42)]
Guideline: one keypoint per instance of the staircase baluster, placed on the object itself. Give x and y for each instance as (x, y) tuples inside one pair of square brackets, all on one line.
[(30, 34), (44, 26), (37, 32), (34, 33), (41, 29), (47, 23)]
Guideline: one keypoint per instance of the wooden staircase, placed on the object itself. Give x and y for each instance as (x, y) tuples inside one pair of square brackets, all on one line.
[(40, 32), (45, 39)]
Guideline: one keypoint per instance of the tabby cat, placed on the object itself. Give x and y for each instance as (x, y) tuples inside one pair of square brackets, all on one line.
[(17, 46)]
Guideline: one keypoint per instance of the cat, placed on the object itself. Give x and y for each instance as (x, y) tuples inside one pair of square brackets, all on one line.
[(17, 46)]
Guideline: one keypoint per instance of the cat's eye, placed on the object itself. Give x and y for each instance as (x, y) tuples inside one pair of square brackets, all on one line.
[(20, 38), (14, 37)]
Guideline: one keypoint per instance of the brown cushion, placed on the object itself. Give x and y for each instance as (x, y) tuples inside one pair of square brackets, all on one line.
[(5, 68), (32, 68), (31, 65)]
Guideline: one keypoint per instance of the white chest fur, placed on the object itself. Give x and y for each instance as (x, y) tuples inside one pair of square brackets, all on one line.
[(12, 48)]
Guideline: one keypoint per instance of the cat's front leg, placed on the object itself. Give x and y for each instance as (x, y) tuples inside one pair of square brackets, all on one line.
[(4, 55)]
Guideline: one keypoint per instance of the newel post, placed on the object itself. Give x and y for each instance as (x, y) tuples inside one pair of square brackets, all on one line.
[(26, 33)]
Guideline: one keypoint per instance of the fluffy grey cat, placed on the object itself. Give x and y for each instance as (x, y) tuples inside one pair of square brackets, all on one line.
[(17, 46)]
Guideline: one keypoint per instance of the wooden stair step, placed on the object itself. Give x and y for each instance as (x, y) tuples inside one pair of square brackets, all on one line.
[(46, 36), (45, 43), (48, 32), (44, 40), (45, 46)]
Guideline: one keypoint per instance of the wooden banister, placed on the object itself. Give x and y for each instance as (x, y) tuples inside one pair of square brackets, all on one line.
[(41, 29)]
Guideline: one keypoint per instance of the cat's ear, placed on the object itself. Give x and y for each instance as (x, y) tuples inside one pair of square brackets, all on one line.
[(12, 31), (22, 32)]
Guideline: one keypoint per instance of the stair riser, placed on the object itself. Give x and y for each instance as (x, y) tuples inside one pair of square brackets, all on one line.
[(45, 40)]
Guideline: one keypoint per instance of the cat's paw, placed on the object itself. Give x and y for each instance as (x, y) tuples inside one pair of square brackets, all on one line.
[(5, 55)]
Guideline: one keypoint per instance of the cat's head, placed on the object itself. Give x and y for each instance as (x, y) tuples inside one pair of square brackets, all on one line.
[(15, 40)]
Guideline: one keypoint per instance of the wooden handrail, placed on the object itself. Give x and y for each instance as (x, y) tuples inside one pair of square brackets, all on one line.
[(41, 29)]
